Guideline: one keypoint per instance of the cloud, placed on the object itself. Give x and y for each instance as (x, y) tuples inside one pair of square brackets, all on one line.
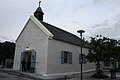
[(111, 32), (109, 28), (105, 23), (107, 2), (74, 22), (4, 38), (93, 15)]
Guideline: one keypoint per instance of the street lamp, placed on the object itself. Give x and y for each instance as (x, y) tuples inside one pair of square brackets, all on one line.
[(81, 31)]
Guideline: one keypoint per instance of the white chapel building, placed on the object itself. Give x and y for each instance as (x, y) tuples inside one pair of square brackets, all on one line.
[(49, 49)]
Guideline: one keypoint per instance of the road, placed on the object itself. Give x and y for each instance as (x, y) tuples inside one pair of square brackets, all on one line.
[(5, 76)]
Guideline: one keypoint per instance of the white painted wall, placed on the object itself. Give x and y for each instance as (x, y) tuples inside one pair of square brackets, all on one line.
[(34, 38), (54, 65)]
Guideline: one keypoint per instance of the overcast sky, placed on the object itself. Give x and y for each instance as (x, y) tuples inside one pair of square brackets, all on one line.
[(94, 16)]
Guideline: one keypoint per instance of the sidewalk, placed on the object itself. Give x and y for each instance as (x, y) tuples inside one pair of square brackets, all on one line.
[(86, 76), (31, 75)]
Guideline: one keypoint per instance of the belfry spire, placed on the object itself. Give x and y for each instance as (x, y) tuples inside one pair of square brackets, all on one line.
[(39, 13)]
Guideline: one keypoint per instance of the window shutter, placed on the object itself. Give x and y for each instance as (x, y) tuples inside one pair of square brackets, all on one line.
[(84, 59), (22, 57), (69, 58), (62, 57), (33, 58)]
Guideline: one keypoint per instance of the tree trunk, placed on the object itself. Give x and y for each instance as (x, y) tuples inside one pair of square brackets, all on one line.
[(99, 73), (98, 66)]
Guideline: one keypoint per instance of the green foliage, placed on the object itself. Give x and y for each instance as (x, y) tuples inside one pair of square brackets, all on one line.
[(95, 53), (7, 50), (102, 49)]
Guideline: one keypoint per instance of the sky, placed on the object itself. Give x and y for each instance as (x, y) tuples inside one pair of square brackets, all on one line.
[(96, 17)]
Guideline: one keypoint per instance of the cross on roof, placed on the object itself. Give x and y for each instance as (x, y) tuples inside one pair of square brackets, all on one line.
[(39, 3)]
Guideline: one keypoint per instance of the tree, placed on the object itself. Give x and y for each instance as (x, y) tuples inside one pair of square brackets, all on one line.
[(118, 57), (7, 50), (96, 54), (103, 49), (110, 49)]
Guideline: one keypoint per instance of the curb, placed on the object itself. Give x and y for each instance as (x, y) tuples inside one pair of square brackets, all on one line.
[(21, 74), (25, 75)]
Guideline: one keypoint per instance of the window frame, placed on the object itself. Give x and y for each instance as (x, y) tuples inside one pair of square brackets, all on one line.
[(66, 57), (84, 60)]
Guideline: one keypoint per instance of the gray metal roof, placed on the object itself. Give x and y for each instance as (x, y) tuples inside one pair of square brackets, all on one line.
[(63, 35), (39, 10)]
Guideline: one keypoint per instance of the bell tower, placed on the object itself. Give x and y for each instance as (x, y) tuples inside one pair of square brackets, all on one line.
[(39, 13)]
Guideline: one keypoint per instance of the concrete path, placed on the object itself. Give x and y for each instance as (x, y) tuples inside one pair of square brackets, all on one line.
[(87, 76), (6, 76)]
